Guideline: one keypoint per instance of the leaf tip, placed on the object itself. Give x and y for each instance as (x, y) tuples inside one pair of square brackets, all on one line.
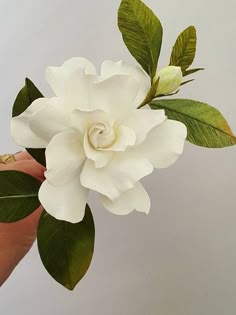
[(192, 27), (69, 286), (27, 81)]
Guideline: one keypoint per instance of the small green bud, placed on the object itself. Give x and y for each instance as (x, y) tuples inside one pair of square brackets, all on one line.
[(170, 79)]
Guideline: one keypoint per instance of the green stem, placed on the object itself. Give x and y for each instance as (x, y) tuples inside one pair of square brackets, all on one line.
[(151, 94)]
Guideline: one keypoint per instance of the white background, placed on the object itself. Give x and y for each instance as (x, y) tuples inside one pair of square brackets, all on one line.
[(181, 259)]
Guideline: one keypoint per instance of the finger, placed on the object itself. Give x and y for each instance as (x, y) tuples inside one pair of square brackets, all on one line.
[(34, 168), (16, 239), (30, 167), (23, 155)]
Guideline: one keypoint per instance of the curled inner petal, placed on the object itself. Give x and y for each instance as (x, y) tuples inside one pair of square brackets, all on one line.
[(101, 135)]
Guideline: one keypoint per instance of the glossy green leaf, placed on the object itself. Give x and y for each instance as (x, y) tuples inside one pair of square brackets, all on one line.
[(24, 99), (206, 125), (142, 33), (66, 249), (184, 50), (18, 196)]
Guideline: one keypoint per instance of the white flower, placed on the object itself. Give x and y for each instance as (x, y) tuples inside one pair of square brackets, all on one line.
[(97, 139), (170, 80)]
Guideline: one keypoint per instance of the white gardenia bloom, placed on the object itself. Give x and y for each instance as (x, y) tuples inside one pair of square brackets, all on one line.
[(97, 139), (170, 79)]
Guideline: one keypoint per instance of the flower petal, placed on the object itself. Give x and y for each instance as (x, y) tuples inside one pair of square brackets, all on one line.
[(135, 198), (64, 157), (77, 90), (56, 76), (20, 127), (50, 119), (110, 68), (164, 144), (101, 158), (66, 202), (79, 62), (120, 175), (115, 95), (142, 121), (83, 120), (125, 137)]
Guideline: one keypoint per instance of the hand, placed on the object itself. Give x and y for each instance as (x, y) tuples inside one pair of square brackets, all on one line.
[(16, 239)]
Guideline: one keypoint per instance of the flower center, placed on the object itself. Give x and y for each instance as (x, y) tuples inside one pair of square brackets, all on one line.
[(101, 135)]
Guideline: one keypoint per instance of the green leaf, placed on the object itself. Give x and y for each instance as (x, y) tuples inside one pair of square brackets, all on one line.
[(24, 99), (186, 82), (66, 249), (38, 155), (191, 71), (184, 50), (142, 33), (206, 125), (18, 196)]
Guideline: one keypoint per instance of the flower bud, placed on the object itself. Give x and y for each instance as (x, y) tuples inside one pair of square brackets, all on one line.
[(170, 80)]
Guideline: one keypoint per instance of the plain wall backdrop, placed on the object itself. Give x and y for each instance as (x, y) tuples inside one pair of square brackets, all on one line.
[(181, 259)]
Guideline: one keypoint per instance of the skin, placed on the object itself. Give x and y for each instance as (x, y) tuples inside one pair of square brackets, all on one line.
[(16, 239)]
